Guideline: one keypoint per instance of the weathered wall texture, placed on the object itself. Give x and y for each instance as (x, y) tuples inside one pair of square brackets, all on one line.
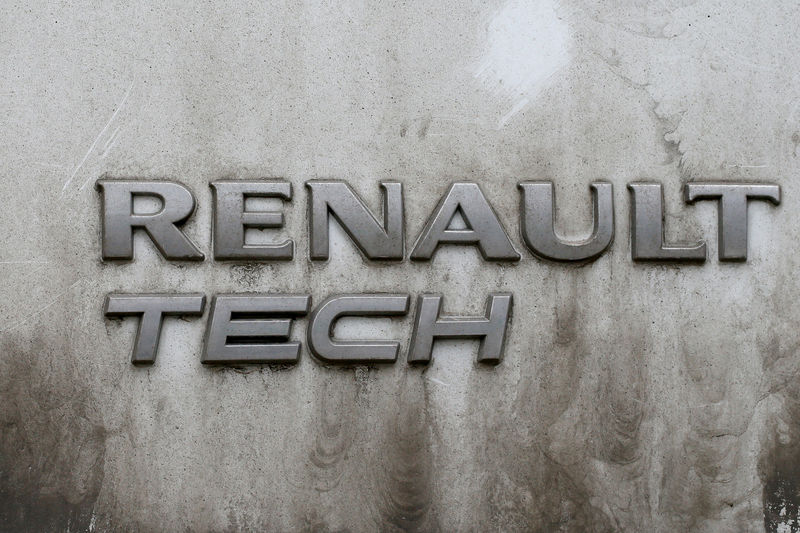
[(631, 398)]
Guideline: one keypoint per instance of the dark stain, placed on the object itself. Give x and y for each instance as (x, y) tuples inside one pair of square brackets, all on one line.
[(573, 417), (405, 502), (331, 441), (315, 523), (779, 460), (541, 496), (781, 492), (321, 527), (566, 312), (561, 373), (620, 409), (423, 128), (52, 447), (779, 467)]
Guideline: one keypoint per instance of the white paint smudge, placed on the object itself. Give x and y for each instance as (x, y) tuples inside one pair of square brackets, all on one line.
[(785, 525), (438, 381), (527, 42)]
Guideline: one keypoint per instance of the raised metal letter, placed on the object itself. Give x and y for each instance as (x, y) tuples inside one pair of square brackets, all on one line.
[(733, 198), (483, 227), (647, 229), (231, 219), (338, 199), (253, 328), (538, 223), (491, 328), (151, 308), (119, 221), (323, 320)]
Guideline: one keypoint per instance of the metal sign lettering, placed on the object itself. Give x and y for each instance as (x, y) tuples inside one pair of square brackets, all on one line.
[(255, 328)]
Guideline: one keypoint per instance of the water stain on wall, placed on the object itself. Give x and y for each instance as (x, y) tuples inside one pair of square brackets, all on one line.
[(52, 443), (406, 476)]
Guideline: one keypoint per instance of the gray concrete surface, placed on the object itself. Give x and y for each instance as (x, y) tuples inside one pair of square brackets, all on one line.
[(631, 398)]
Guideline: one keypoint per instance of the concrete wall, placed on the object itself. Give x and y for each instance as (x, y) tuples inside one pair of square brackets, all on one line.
[(631, 398)]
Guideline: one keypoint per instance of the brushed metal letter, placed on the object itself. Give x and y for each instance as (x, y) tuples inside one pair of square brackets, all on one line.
[(231, 219), (253, 328), (732, 208), (538, 223), (323, 319), (151, 310), (490, 328), (119, 221), (647, 228), (484, 229), (338, 199)]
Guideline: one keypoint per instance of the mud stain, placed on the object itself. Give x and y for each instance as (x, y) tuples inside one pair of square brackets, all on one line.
[(52, 447), (406, 486), (779, 467)]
